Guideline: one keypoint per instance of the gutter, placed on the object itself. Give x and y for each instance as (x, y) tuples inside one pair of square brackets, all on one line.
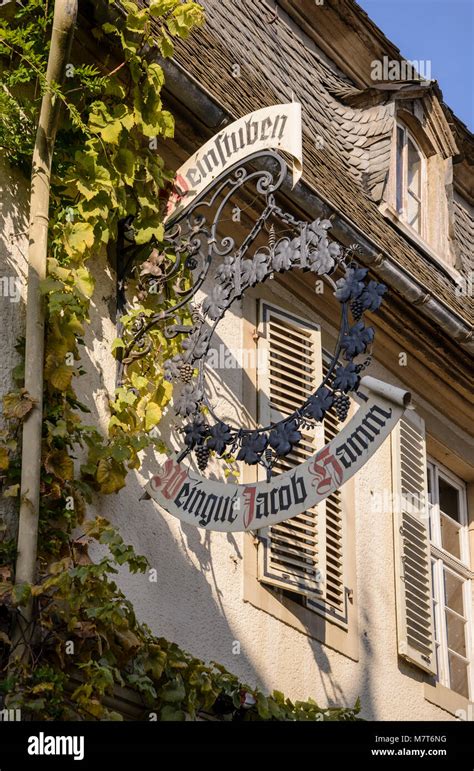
[(395, 275), (188, 92), (65, 13)]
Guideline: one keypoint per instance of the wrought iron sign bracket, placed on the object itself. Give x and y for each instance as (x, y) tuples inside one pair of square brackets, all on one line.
[(200, 243)]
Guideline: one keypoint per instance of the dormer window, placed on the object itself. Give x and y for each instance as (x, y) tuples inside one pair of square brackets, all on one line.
[(410, 176)]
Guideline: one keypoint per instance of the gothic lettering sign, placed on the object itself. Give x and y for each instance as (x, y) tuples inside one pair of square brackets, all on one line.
[(277, 127), (215, 505), (220, 263)]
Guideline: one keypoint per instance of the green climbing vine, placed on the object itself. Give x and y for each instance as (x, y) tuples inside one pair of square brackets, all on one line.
[(106, 168)]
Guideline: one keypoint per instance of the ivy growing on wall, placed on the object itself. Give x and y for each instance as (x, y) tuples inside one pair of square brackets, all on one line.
[(87, 640)]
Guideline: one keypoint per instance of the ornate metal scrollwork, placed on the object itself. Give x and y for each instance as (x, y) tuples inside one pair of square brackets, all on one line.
[(275, 243)]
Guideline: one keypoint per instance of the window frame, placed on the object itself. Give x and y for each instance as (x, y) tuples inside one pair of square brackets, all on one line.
[(314, 600), (441, 561), (342, 636), (268, 314), (401, 180)]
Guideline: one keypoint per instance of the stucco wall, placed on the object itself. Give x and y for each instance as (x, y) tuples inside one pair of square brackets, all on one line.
[(14, 196), (13, 253), (197, 600)]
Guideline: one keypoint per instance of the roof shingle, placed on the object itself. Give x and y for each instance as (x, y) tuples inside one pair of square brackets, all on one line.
[(351, 166)]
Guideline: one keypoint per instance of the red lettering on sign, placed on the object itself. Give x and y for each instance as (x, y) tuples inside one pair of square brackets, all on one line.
[(180, 188), (327, 470), (249, 505), (170, 479)]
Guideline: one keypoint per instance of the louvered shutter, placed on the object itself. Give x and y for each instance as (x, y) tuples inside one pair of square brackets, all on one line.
[(292, 553), (412, 543), (335, 591)]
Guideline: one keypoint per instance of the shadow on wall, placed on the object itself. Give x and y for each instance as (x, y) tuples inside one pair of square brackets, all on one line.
[(384, 694), (196, 599), (376, 603), (14, 207), (192, 605), (186, 603), (369, 707)]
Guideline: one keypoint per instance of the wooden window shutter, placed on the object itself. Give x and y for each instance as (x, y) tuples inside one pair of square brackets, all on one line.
[(412, 543), (335, 585), (292, 554)]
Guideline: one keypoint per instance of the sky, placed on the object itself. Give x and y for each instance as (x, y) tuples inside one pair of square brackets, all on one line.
[(440, 31)]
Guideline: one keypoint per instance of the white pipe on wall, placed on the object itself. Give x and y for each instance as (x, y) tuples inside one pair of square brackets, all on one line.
[(65, 14)]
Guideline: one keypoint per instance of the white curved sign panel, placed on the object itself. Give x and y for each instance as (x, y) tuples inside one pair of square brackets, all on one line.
[(215, 505)]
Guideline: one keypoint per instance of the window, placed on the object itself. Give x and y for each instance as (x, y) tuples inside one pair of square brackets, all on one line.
[(410, 181), (301, 556), (334, 527), (451, 585), (432, 562), (284, 582), (415, 196), (412, 545)]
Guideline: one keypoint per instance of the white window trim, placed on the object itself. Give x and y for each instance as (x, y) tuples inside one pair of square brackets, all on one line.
[(436, 240), (460, 567), (423, 186), (389, 212)]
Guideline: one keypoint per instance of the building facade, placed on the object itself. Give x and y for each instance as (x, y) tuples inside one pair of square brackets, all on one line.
[(389, 165)]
